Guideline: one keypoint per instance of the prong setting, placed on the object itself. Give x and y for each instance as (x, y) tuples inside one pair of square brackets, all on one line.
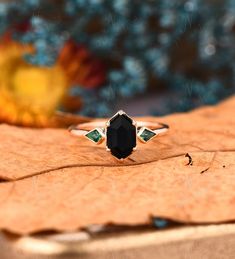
[(134, 123), (121, 112)]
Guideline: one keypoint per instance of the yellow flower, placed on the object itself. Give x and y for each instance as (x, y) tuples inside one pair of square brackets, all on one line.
[(29, 95)]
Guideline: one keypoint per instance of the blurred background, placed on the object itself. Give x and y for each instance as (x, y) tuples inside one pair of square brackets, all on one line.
[(92, 57)]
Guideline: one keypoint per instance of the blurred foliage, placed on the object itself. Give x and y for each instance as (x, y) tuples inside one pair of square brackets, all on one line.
[(187, 46)]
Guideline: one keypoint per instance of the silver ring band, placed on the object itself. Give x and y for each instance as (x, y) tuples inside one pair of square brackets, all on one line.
[(83, 128)]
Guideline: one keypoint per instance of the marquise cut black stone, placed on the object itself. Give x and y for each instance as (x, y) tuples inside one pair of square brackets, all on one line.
[(121, 136)]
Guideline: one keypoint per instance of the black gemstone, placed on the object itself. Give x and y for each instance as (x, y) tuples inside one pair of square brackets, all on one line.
[(121, 136)]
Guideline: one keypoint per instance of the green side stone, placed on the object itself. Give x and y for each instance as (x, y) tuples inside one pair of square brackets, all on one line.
[(146, 135), (94, 136)]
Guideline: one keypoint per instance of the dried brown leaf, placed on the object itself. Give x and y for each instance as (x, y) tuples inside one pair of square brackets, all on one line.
[(51, 180)]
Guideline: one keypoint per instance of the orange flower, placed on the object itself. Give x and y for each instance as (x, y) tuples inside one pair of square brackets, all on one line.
[(28, 94)]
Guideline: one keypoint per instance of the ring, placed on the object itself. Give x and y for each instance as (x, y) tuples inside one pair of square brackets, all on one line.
[(120, 132)]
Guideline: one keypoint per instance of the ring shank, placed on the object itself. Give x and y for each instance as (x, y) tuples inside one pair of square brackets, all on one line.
[(84, 128)]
